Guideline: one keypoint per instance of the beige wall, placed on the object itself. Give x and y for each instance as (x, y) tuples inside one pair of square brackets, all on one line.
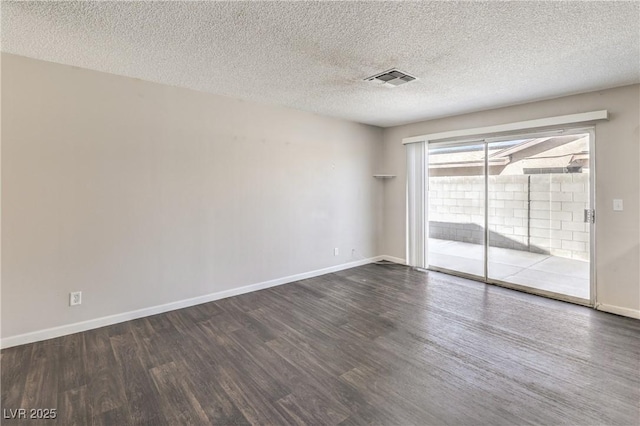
[(617, 176), (140, 194)]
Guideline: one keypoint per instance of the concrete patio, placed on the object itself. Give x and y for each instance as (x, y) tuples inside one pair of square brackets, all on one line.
[(544, 272)]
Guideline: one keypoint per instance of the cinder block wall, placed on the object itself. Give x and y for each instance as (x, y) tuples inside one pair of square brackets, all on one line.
[(538, 213)]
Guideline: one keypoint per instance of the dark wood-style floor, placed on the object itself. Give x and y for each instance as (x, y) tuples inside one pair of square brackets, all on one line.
[(370, 345)]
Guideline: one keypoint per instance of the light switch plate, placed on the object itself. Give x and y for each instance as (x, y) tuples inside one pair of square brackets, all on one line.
[(617, 205)]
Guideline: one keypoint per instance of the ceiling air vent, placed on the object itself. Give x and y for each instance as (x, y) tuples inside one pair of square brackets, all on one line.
[(391, 78)]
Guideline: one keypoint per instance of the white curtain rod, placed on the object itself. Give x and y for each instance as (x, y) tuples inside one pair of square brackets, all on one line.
[(512, 127)]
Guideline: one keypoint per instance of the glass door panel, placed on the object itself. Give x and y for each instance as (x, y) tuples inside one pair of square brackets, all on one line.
[(538, 190), (457, 208)]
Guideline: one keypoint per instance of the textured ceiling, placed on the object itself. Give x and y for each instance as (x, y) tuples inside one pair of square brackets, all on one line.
[(313, 55)]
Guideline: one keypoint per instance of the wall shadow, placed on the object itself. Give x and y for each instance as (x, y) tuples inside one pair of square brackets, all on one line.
[(474, 234)]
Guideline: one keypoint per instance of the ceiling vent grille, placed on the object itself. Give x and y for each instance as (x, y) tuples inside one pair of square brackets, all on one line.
[(391, 78)]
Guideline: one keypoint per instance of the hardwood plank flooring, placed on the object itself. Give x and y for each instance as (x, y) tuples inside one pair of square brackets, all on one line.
[(373, 345)]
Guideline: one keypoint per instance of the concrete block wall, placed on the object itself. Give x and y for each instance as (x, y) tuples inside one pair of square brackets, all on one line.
[(539, 213), (508, 211), (557, 214)]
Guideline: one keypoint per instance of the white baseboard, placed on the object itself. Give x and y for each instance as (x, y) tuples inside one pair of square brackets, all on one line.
[(64, 330), (618, 310), (394, 259)]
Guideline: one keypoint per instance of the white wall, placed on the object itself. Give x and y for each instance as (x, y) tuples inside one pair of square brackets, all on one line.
[(617, 176), (140, 194)]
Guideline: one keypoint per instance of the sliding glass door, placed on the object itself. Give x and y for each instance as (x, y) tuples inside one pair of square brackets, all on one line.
[(514, 211), (457, 208), (538, 237)]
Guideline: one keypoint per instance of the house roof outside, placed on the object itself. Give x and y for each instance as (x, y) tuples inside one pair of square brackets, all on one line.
[(560, 154)]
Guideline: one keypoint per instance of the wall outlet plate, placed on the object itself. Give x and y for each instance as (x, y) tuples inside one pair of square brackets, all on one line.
[(75, 298), (336, 251)]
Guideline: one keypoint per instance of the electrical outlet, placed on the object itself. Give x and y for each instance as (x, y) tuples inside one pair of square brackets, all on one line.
[(75, 298), (336, 251)]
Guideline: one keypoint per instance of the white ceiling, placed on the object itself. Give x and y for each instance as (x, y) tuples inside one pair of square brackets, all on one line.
[(313, 55)]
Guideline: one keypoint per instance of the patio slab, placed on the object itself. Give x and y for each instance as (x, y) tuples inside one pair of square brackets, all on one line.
[(544, 272)]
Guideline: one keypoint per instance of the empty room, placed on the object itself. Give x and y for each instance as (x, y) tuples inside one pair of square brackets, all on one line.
[(320, 213)]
